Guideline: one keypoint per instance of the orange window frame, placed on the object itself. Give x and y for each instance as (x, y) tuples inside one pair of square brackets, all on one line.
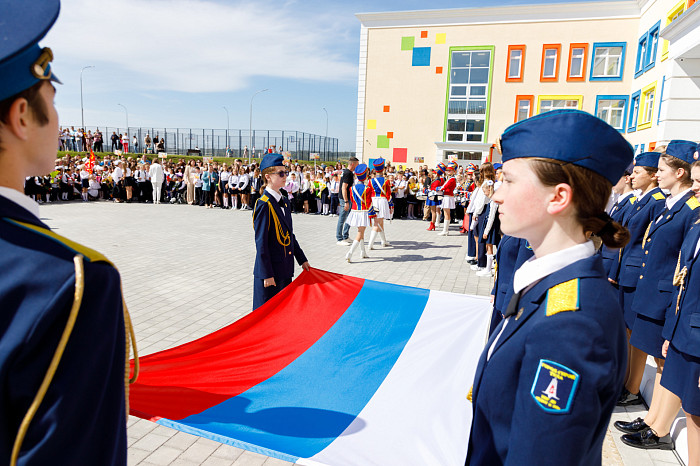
[(519, 79), (518, 98), (585, 61), (554, 78)]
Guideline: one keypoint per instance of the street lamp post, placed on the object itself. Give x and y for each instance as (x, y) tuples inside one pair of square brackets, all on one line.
[(227, 125), (250, 126), (325, 140), (82, 116), (127, 119)]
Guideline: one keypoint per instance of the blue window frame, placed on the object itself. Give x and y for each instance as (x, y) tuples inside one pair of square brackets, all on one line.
[(661, 99), (607, 61), (652, 46), (642, 50), (612, 109), (634, 112)]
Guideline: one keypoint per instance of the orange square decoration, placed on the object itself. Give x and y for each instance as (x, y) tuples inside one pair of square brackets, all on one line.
[(424, 34), (438, 70), (386, 109), (390, 135)]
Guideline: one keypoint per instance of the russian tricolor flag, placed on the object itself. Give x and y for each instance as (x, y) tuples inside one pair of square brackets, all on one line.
[(333, 370)]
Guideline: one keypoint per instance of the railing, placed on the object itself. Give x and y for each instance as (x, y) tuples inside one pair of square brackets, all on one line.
[(213, 142)]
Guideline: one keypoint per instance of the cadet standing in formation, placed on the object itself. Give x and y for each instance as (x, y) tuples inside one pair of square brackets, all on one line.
[(276, 246), (62, 327), (550, 375)]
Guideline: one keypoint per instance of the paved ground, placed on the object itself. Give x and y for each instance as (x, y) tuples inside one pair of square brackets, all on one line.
[(186, 272)]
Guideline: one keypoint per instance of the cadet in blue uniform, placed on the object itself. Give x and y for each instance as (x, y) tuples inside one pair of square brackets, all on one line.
[(653, 297), (682, 370), (548, 379), (276, 246), (648, 206), (62, 325), (512, 252), (623, 204)]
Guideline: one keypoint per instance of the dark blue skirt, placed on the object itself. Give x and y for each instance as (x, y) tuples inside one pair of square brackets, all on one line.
[(680, 376), (646, 335), (626, 299)]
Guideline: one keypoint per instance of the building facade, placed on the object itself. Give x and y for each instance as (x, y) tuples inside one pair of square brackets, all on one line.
[(444, 84)]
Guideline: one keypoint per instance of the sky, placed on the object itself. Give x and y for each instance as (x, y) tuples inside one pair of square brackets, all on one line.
[(177, 63)]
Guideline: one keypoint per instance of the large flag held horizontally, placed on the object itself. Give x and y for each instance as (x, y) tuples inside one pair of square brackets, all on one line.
[(333, 370)]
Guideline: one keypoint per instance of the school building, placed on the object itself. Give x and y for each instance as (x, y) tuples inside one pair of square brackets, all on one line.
[(441, 84)]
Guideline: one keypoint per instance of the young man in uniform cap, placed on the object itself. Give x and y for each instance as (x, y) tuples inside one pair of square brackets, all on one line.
[(62, 326), (276, 246)]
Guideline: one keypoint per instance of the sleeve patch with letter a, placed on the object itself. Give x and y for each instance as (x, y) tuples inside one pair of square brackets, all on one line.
[(554, 387)]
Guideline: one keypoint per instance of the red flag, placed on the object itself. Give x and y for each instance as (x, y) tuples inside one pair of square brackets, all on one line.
[(91, 163)]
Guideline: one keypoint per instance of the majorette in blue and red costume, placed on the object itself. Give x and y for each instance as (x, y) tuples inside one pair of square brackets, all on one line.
[(448, 196), (362, 211), (432, 200), (381, 201)]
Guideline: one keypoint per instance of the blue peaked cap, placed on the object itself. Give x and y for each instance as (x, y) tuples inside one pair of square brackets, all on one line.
[(647, 159), (271, 160), (570, 136), (684, 150), (22, 62)]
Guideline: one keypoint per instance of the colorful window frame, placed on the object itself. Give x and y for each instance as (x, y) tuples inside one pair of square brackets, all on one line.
[(645, 107), (660, 99), (633, 112), (573, 46), (519, 77), (597, 45), (554, 78), (521, 98), (652, 46), (642, 49), (578, 98), (671, 15), (624, 108)]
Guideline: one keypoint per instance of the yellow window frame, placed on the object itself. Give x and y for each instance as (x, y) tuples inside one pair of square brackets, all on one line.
[(642, 103), (540, 98), (677, 9)]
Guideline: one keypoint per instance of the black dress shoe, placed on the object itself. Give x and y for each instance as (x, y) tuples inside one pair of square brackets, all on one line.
[(631, 427), (648, 440), (629, 399), (471, 262)]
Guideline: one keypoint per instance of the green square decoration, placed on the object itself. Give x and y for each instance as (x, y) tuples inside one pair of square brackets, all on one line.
[(382, 142), (407, 42)]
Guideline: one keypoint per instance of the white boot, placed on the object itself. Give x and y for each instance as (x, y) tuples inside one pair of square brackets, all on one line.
[(445, 229), (348, 256), (487, 270), (363, 250), (372, 237), (385, 243)]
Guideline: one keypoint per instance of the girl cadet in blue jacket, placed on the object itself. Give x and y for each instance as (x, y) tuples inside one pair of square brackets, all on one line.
[(648, 206), (549, 377), (682, 372), (653, 297)]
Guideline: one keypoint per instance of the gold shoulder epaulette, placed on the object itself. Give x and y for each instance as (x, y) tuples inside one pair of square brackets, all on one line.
[(90, 254), (659, 196), (693, 203), (633, 200), (562, 297), (470, 394)]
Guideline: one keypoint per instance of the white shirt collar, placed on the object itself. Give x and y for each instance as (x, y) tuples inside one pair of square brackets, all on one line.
[(535, 269), (623, 197), (274, 194), (671, 201), (20, 199)]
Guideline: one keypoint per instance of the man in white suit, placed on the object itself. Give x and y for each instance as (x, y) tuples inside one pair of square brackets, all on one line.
[(156, 175)]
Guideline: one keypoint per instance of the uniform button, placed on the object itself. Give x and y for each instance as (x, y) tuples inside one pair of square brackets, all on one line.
[(290, 253), (641, 276), (644, 265), (648, 240), (668, 217), (646, 252)]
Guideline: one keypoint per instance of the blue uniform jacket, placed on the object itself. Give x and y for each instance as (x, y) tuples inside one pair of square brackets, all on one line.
[(206, 181), (663, 242), (510, 255), (645, 210), (610, 256), (683, 322), (549, 388), (82, 417), (275, 243)]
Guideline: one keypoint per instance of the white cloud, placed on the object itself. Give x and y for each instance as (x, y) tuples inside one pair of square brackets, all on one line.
[(202, 46)]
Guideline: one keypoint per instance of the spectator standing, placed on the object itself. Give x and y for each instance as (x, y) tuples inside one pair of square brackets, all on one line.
[(147, 143), (135, 147), (156, 172), (115, 141), (206, 187), (342, 231), (189, 177), (125, 143), (334, 189)]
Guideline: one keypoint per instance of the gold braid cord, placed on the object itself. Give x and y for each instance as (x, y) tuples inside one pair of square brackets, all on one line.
[(283, 239), (130, 342), (679, 281), (48, 377)]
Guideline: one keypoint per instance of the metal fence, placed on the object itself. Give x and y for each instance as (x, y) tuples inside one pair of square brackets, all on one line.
[(213, 142)]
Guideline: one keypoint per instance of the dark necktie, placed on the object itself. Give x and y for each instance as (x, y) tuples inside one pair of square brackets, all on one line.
[(512, 308)]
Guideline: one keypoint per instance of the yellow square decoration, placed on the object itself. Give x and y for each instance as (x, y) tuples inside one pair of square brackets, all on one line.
[(371, 124), (440, 38)]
